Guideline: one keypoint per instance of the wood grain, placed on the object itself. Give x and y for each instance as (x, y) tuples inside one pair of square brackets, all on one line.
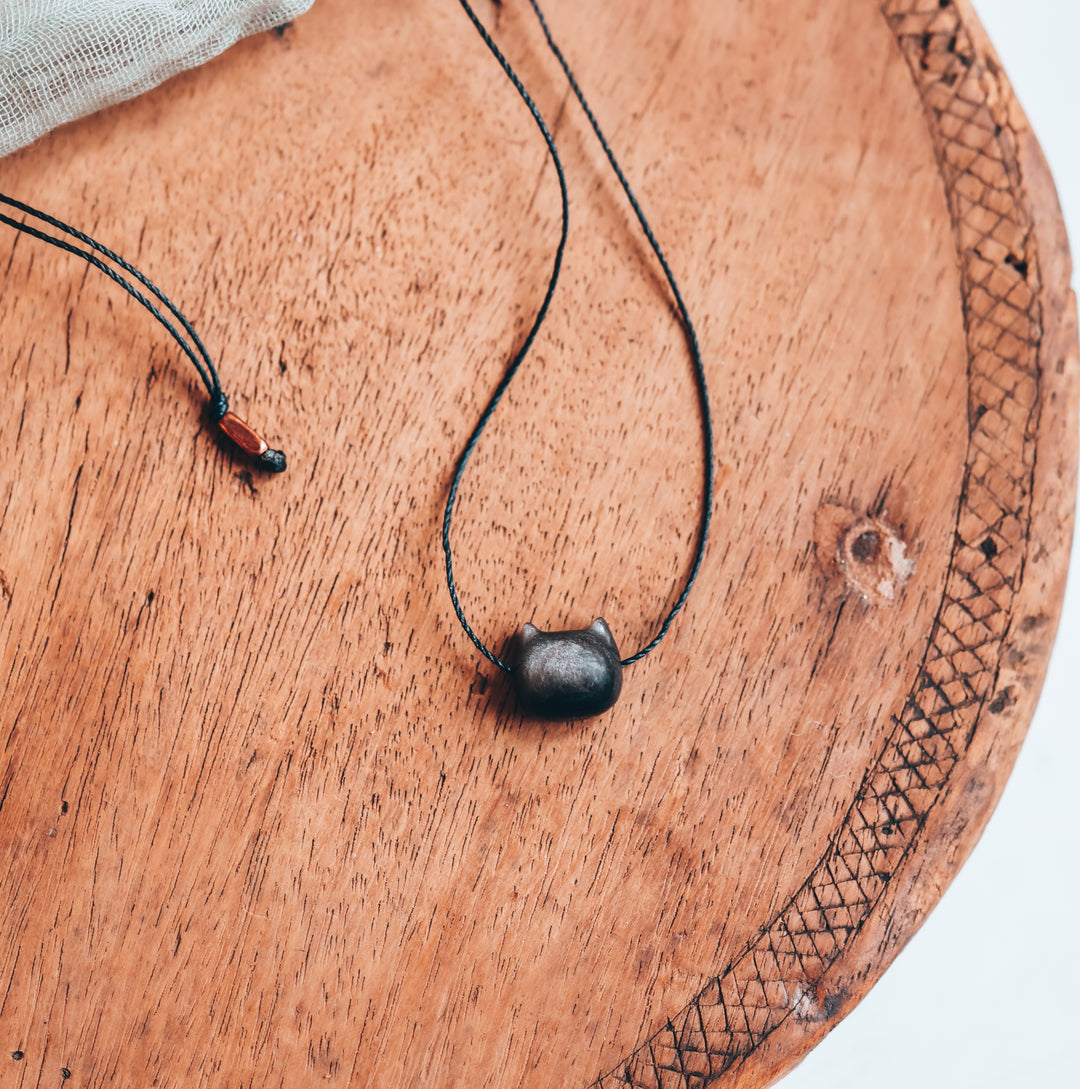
[(266, 818)]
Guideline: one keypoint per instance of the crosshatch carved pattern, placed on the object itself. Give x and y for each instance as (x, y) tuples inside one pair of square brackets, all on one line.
[(776, 977)]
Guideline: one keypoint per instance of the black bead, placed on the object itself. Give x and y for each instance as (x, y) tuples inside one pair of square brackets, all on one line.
[(567, 674)]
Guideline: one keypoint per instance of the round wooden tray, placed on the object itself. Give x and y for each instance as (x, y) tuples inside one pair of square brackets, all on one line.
[(268, 819)]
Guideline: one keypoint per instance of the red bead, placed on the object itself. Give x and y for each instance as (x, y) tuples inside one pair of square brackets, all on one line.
[(245, 436)]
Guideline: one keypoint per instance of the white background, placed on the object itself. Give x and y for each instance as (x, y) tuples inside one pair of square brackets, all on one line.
[(984, 996)]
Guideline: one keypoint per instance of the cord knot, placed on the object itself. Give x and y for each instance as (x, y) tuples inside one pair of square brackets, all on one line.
[(219, 405)]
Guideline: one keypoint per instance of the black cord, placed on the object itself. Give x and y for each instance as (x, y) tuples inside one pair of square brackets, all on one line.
[(194, 348), (203, 364), (515, 363)]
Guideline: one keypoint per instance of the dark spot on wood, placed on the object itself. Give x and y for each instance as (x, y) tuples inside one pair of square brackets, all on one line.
[(866, 547), (149, 597), (988, 548), (978, 414), (963, 58), (65, 1073), (1003, 701), (831, 1006), (280, 30), (924, 62), (247, 481), (1017, 263), (17, 1056), (1030, 623), (63, 807)]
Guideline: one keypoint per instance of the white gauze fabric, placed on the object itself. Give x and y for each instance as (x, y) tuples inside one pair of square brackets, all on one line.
[(62, 59)]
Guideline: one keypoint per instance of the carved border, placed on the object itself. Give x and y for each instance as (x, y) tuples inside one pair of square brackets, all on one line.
[(776, 976)]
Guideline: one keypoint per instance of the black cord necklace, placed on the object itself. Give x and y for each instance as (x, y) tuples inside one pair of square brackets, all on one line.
[(573, 674), (120, 272), (561, 674)]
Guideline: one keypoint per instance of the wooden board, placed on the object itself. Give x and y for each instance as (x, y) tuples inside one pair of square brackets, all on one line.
[(267, 819)]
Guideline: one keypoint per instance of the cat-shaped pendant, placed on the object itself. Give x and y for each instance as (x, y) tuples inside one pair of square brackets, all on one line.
[(567, 674)]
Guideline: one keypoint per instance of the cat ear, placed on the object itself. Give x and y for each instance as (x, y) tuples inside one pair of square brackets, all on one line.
[(527, 634), (599, 627)]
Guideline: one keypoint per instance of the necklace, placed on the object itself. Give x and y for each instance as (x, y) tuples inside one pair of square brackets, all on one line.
[(557, 674), (574, 674), (239, 432)]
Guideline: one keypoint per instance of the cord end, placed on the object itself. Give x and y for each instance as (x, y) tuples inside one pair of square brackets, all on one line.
[(273, 461)]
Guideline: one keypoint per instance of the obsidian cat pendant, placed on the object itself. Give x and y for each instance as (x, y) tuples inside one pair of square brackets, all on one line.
[(567, 674)]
